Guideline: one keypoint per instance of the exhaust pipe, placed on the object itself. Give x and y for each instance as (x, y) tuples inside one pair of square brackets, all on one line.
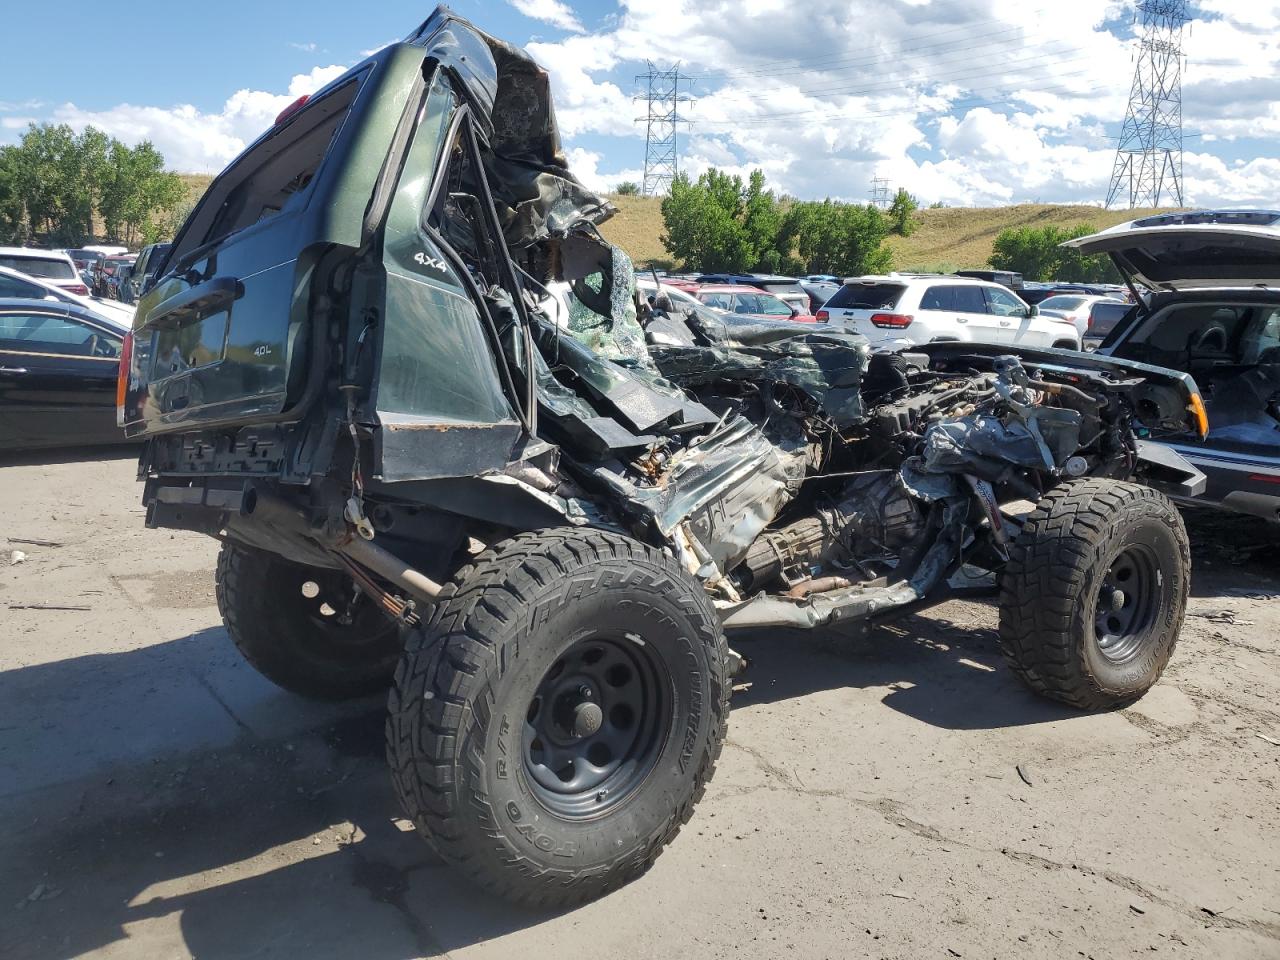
[(388, 565), (281, 513)]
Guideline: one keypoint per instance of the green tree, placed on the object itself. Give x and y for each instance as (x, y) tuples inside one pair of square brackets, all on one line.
[(55, 185), (1037, 253), (705, 222), (627, 188), (1075, 266), (901, 213), (832, 237)]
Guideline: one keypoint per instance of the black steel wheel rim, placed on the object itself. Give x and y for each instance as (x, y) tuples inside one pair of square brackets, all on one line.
[(1128, 603), (596, 725), (341, 614)]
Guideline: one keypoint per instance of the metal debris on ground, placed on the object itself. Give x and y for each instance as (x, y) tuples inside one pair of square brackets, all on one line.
[(34, 542), (1221, 616)]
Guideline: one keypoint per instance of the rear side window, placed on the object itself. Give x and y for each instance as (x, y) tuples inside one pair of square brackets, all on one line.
[(867, 296), (938, 298), (44, 333), (13, 287), (49, 269), (960, 298)]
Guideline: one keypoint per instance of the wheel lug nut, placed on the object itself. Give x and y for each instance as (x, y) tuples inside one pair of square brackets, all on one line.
[(585, 692)]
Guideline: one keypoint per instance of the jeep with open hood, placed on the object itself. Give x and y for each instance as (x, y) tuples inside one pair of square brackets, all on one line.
[(535, 526), (1212, 311)]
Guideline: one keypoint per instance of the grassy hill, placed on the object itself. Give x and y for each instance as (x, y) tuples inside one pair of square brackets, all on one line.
[(960, 238), (951, 238)]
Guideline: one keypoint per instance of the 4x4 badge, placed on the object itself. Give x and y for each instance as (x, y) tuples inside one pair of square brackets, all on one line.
[(424, 260)]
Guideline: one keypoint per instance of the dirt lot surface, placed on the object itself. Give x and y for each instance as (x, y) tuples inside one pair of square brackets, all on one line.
[(894, 796)]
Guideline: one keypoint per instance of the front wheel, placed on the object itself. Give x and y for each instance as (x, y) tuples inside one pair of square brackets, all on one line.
[(1095, 592), (554, 724)]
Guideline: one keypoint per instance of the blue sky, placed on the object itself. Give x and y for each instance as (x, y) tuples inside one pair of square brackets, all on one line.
[(962, 101)]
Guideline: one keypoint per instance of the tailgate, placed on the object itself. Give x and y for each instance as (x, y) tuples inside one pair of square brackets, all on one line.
[(223, 338)]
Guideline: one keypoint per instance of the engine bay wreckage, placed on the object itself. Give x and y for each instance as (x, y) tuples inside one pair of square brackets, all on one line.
[(485, 459)]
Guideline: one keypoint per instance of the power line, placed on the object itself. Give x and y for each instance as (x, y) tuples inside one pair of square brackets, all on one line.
[(881, 194), (1001, 99), (662, 119), (1148, 162), (1035, 67)]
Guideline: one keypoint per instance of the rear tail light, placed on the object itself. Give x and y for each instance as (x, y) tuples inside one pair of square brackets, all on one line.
[(822, 317), (1264, 478), (292, 108), (78, 288), (891, 321), (122, 378)]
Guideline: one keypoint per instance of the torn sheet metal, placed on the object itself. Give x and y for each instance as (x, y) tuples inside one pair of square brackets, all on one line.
[(827, 367), (724, 490)]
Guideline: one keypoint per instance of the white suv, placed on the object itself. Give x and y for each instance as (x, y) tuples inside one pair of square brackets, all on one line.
[(906, 310)]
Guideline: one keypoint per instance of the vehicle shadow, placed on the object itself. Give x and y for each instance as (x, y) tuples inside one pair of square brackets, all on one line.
[(61, 455), (1232, 554), (242, 839), (947, 674)]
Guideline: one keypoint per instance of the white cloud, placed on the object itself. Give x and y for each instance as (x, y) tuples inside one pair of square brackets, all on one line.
[(555, 12), (305, 47), (585, 166), (192, 140), (966, 102)]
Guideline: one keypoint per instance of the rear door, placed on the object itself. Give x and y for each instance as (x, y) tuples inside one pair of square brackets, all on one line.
[(439, 396), (57, 380), (959, 311)]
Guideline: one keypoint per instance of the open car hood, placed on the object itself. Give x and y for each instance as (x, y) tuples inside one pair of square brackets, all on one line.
[(1194, 250)]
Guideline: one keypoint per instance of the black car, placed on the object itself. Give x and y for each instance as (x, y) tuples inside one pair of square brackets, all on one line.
[(1007, 278), (1103, 318), (58, 367), (145, 269)]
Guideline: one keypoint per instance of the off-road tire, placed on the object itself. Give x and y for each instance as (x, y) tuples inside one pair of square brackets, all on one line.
[(285, 636), (1051, 587), (467, 682)]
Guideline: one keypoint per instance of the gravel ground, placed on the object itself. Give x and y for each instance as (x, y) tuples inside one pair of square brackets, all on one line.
[(898, 795)]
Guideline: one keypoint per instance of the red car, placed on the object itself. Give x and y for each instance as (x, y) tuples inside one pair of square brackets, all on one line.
[(749, 302)]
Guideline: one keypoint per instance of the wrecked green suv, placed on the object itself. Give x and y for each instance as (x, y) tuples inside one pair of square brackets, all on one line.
[(448, 451)]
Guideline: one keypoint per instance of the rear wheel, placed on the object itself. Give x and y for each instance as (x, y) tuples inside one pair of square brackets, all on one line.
[(1095, 592), (305, 628), (554, 724)]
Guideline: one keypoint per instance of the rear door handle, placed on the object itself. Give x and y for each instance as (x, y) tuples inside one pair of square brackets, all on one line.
[(13, 371), (962, 319)]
